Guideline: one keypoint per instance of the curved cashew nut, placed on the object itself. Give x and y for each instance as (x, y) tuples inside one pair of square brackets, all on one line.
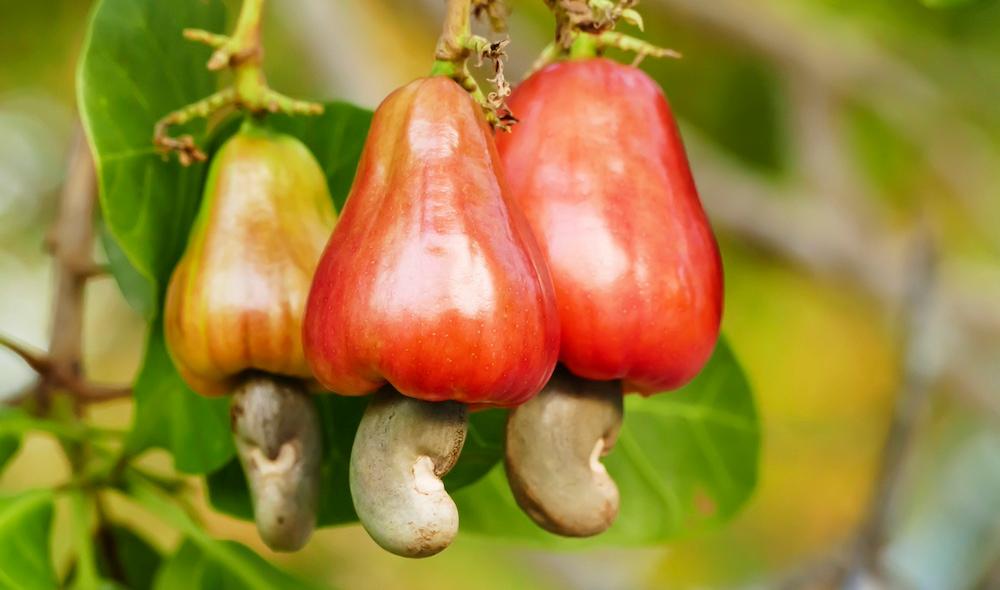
[(402, 449), (277, 434), (554, 445)]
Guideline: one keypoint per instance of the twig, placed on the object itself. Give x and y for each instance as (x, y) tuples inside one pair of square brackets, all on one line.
[(38, 362), (919, 373), (853, 67), (70, 241), (821, 236)]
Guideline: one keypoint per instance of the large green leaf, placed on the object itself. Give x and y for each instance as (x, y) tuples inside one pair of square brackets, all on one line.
[(335, 138), (201, 561), (139, 292), (340, 417), (684, 460), (169, 415), (227, 565), (136, 68), (134, 560), (25, 526), (948, 3), (482, 450)]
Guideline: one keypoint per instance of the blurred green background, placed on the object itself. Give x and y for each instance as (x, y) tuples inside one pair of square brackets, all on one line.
[(835, 143)]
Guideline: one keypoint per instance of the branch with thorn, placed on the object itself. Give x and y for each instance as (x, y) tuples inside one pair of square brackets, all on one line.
[(70, 241)]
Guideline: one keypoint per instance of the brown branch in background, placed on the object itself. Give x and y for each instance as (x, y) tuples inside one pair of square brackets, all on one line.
[(850, 66), (858, 564), (918, 378), (70, 242), (824, 237)]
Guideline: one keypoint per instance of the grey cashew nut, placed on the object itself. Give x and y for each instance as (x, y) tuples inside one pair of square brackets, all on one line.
[(402, 449), (554, 445), (277, 434)]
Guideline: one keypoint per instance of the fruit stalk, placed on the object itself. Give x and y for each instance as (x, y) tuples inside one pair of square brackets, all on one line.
[(454, 48), (242, 52)]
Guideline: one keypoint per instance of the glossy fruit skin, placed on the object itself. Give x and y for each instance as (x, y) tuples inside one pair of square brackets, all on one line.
[(237, 297), (598, 167), (431, 281)]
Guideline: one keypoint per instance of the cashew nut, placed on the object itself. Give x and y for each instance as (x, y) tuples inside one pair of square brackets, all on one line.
[(277, 434), (553, 450), (402, 449)]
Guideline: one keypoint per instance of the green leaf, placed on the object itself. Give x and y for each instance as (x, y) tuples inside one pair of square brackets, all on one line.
[(201, 561), (136, 68), (138, 291), (228, 565), (169, 415), (15, 422), (335, 138), (25, 527), (482, 450), (9, 445), (339, 417), (135, 560), (948, 3), (84, 575), (684, 460)]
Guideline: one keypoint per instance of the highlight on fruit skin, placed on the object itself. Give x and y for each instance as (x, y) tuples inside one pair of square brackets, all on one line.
[(598, 166), (236, 299)]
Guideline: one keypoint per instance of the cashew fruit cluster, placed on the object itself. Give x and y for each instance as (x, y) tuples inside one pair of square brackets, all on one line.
[(549, 271)]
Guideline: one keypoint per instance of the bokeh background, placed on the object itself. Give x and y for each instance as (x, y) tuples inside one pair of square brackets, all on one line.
[(848, 154)]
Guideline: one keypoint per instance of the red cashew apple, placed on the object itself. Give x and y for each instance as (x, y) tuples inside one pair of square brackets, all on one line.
[(598, 167), (432, 283)]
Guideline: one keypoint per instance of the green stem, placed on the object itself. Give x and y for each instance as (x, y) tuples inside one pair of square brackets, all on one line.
[(584, 46), (242, 53), (246, 56), (87, 576), (247, 31)]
